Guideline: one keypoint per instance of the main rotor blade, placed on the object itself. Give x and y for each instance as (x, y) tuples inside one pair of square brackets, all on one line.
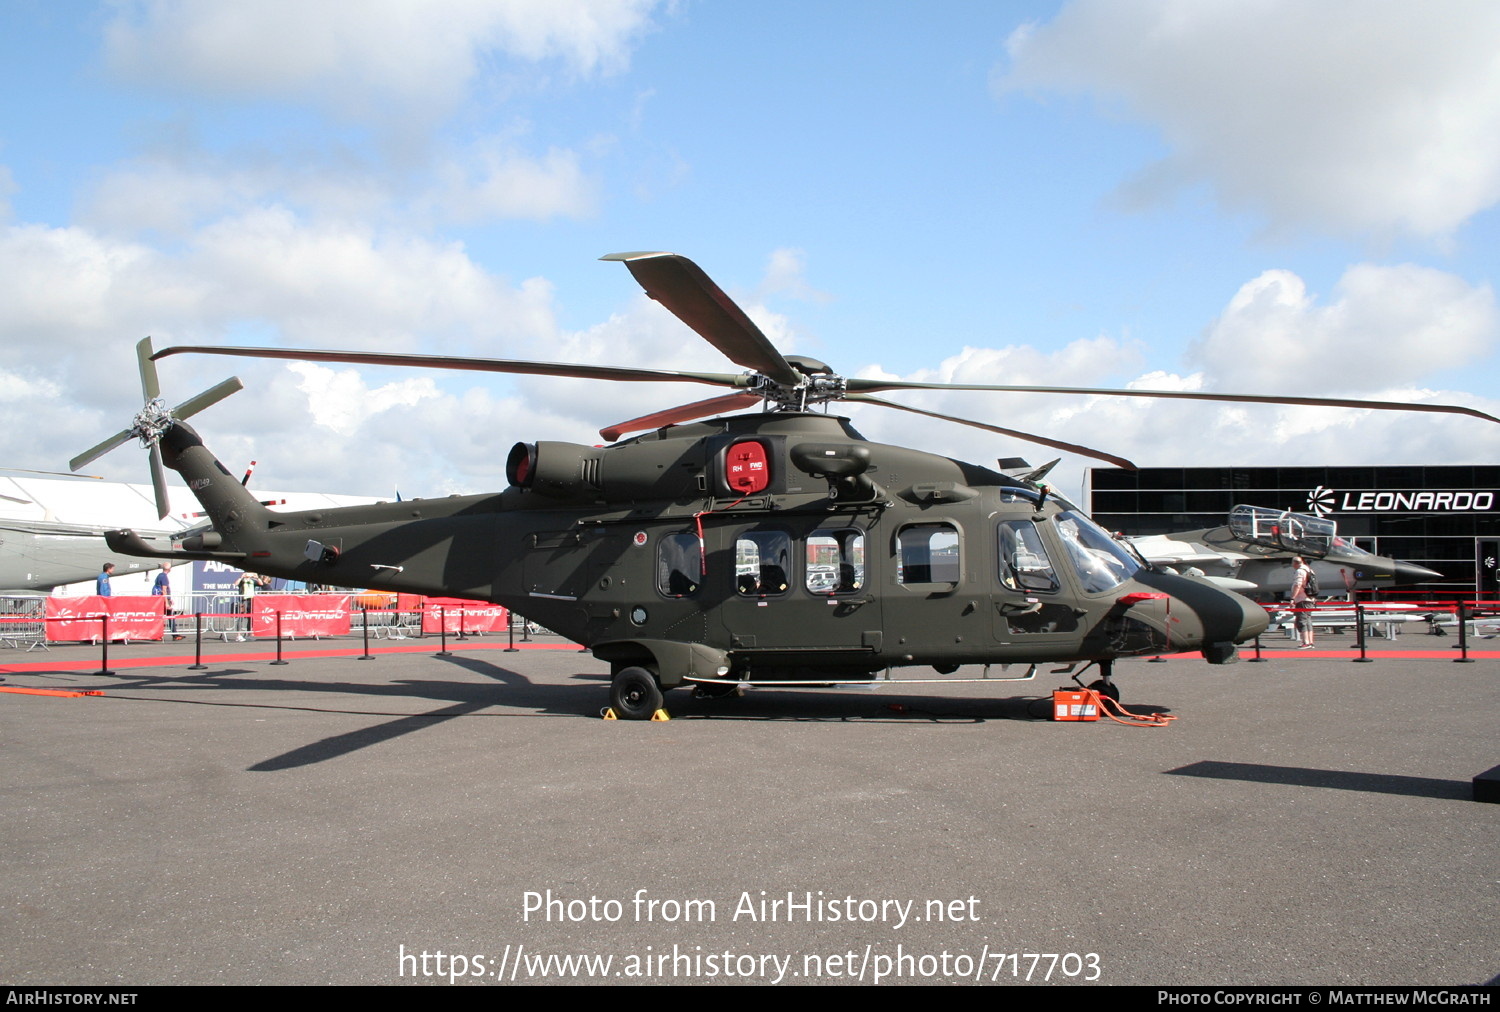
[(691, 296), (212, 395), (1030, 437), (150, 387), (685, 413), (94, 453), (61, 474), (159, 483), (567, 369), (866, 385)]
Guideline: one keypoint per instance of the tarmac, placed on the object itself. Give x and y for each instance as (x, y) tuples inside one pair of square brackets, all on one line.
[(413, 818)]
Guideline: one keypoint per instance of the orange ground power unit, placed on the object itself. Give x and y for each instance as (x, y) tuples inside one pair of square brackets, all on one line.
[(1074, 704)]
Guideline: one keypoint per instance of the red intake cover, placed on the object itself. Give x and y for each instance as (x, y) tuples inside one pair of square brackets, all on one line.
[(747, 470)]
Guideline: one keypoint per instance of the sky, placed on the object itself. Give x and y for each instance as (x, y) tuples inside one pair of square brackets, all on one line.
[(1267, 196)]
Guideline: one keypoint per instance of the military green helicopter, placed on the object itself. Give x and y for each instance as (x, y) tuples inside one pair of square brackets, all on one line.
[(775, 547)]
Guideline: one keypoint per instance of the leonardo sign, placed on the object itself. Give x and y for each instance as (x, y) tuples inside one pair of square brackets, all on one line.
[(1325, 500)]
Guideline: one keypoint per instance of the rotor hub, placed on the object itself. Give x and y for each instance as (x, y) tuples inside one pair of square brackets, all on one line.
[(152, 422), (817, 388)]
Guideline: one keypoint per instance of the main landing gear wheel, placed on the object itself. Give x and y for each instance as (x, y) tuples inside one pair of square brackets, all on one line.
[(1104, 688), (634, 694)]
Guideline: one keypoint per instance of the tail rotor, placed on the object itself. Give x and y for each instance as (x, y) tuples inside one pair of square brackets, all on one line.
[(154, 420)]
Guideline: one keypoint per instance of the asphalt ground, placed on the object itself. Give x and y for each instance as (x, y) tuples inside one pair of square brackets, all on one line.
[(1306, 820)]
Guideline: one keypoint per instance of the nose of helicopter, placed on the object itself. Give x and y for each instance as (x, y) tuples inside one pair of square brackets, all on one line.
[(1228, 620), (1225, 618), (1253, 619)]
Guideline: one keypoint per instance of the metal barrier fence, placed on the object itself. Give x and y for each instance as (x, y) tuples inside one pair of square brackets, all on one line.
[(227, 615), (22, 622)]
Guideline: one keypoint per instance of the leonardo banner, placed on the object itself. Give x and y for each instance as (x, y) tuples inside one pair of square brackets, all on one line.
[(75, 619), (301, 614), (462, 616)]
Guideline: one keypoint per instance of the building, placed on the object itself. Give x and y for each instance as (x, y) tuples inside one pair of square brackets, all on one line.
[(1444, 517)]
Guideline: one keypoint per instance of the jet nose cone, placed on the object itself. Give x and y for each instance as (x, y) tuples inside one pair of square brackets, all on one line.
[(1410, 572)]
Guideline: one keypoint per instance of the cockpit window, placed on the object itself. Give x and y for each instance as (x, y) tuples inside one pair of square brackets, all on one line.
[(1101, 563), (1349, 548), (1024, 565)]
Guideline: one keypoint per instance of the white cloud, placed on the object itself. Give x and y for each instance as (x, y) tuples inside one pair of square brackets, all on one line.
[(1086, 362), (339, 399), (377, 58), (1383, 323), (7, 187), (504, 183), (173, 195), (1361, 116), (77, 301), (785, 275)]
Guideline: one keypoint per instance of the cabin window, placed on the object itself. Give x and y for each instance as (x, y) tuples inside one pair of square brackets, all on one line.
[(1102, 564), (835, 561), (762, 563), (679, 565), (928, 553), (1024, 565)]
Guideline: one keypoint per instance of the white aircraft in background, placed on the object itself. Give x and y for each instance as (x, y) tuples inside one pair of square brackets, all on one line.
[(1253, 554)]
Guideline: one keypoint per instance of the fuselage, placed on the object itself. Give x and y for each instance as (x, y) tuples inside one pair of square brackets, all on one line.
[(781, 544)]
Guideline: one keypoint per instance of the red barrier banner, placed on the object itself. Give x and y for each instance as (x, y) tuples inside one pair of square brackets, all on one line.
[(462, 616), (74, 619), (301, 614)]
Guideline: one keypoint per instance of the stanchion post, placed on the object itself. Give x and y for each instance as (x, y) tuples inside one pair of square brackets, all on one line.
[(104, 659), (364, 621), (1257, 659), (278, 659), (1463, 637), (463, 611), (1359, 633), (443, 632), (510, 629), (197, 664)]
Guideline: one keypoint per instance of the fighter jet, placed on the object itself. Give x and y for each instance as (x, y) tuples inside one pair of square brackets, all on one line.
[(1253, 554)]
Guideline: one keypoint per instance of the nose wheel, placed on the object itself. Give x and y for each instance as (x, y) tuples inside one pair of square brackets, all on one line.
[(1105, 687), (1105, 683)]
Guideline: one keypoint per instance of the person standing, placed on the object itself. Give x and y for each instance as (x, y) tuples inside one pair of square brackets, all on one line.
[(101, 582), (1304, 591), (247, 584), (162, 587)]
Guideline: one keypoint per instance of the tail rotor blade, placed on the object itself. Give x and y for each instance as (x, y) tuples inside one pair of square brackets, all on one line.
[(118, 439), (159, 483), (211, 396), (150, 387)]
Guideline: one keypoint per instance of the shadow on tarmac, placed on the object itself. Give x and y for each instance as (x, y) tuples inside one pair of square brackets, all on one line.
[(1341, 780)]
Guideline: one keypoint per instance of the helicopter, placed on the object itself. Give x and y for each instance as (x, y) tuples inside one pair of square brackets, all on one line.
[(772, 547)]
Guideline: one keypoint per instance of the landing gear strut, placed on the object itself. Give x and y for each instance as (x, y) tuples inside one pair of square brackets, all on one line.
[(1105, 683)]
